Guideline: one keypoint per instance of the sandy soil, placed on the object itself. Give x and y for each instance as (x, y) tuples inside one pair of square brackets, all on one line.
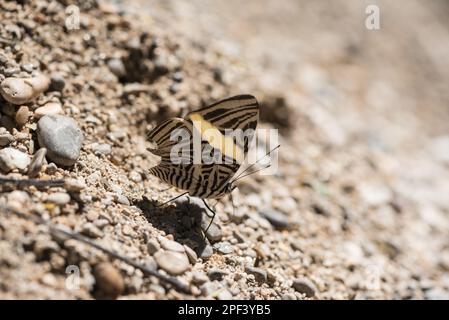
[(357, 210)]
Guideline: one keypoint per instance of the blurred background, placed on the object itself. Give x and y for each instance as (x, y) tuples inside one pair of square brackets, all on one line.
[(366, 109)]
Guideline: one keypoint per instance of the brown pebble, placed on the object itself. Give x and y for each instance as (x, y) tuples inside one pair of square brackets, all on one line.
[(16, 91), (22, 115), (109, 281), (23, 90)]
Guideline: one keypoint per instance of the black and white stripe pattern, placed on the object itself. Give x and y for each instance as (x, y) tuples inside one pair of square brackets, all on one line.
[(205, 180)]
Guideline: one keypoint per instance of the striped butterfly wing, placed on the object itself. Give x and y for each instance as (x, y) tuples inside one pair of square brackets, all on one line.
[(228, 126), (171, 138), (237, 115)]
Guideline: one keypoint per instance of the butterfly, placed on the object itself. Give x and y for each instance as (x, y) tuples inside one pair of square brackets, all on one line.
[(221, 132)]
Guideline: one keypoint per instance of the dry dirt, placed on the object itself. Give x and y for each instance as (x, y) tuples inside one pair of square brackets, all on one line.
[(358, 208)]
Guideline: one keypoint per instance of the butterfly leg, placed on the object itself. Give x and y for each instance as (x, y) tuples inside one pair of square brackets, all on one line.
[(213, 215), (172, 199)]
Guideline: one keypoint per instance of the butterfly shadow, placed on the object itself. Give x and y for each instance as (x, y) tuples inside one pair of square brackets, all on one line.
[(183, 218)]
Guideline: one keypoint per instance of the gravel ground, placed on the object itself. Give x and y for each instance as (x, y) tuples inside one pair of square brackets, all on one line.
[(357, 210)]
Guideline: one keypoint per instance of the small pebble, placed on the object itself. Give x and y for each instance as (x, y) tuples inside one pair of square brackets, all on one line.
[(23, 90), (74, 185), (127, 230), (199, 278), (174, 263), (207, 252), (108, 280), (216, 274), (27, 67), (5, 138), (57, 82), (48, 109), (209, 288), (22, 115), (172, 245), (191, 254), (51, 168), (17, 199), (223, 247), (120, 198), (62, 138), (276, 218), (259, 274), (135, 176), (92, 216), (101, 148), (90, 230), (305, 286), (117, 67), (16, 91), (214, 233), (59, 198), (153, 246), (101, 223), (37, 163), (11, 159)]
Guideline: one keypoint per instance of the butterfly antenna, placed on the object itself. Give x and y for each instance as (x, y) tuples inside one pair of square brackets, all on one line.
[(252, 165), (252, 172)]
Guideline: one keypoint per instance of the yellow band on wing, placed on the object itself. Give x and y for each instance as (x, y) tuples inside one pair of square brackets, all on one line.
[(216, 139)]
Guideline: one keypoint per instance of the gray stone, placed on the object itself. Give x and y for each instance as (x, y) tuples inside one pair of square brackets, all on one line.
[(27, 67), (57, 82), (101, 148), (62, 138), (276, 218), (305, 286), (172, 245), (6, 138), (207, 252), (11, 159), (259, 274), (122, 199), (174, 263), (214, 233), (199, 278), (224, 247)]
